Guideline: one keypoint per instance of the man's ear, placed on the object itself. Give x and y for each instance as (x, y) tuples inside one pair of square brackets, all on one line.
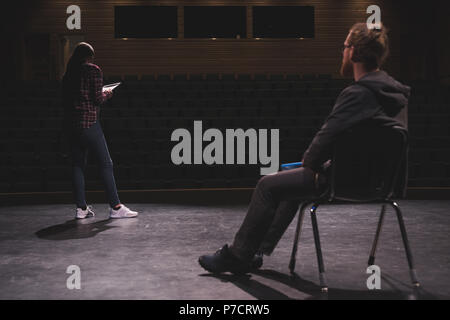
[(352, 54)]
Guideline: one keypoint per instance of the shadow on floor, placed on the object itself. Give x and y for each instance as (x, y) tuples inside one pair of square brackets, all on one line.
[(255, 288), (264, 292), (74, 229)]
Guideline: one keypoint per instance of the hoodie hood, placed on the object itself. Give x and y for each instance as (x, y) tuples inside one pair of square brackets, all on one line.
[(391, 94)]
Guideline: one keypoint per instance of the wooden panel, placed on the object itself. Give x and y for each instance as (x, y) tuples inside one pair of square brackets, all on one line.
[(154, 56)]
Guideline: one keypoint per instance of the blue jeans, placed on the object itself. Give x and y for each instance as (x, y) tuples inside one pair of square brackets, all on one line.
[(93, 140)]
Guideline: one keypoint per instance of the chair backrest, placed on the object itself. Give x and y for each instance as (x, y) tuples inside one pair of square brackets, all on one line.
[(369, 163)]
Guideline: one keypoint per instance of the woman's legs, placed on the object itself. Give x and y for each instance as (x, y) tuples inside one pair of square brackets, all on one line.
[(96, 142), (79, 160)]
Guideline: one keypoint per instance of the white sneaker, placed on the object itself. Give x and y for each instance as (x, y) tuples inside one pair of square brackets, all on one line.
[(123, 212), (82, 214)]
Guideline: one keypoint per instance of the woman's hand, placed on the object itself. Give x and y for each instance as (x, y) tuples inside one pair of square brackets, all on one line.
[(108, 93)]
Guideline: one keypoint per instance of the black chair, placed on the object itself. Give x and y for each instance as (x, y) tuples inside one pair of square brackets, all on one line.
[(369, 165)]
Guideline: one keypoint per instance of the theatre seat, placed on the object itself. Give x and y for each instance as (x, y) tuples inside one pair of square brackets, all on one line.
[(163, 77), (148, 78), (139, 119)]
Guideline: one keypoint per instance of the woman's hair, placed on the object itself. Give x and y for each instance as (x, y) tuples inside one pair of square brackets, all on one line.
[(80, 54), (371, 46)]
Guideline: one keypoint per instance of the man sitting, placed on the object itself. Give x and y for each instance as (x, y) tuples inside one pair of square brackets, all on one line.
[(374, 96)]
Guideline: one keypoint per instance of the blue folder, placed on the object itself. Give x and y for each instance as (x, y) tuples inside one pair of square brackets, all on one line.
[(292, 165)]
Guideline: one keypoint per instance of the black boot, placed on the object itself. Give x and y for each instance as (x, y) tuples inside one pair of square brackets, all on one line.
[(224, 261), (257, 260)]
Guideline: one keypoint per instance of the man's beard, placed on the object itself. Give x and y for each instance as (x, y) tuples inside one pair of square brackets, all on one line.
[(347, 69)]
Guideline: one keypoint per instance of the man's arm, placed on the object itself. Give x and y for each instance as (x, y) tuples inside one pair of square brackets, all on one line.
[(353, 105)]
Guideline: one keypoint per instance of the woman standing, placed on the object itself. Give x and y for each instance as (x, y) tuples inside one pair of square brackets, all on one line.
[(82, 96)]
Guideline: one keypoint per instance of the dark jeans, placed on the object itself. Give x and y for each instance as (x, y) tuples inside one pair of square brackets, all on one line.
[(92, 140), (273, 206)]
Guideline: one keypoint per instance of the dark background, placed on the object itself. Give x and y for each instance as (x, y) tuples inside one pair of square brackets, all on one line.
[(284, 83)]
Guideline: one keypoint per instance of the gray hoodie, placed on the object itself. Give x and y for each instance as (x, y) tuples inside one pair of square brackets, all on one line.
[(376, 97)]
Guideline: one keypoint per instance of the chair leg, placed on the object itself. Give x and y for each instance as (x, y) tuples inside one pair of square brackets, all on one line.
[(322, 279), (409, 256), (377, 236), (297, 237)]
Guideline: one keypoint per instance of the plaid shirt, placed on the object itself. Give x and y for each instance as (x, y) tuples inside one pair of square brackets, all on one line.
[(83, 97)]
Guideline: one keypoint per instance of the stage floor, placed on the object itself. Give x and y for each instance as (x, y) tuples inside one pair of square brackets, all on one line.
[(155, 255)]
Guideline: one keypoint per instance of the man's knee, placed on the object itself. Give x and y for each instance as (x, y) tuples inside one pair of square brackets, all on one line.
[(264, 184)]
